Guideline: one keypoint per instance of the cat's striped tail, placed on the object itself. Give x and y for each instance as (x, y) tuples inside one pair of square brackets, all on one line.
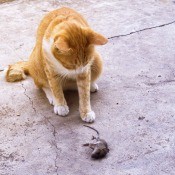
[(17, 71)]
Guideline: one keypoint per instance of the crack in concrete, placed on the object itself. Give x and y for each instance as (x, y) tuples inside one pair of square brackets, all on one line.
[(54, 143), (141, 30), (56, 157), (54, 130), (31, 101), (160, 83)]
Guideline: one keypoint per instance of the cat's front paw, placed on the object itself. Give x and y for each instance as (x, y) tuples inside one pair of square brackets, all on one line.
[(89, 117), (61, 110), (94, 87)]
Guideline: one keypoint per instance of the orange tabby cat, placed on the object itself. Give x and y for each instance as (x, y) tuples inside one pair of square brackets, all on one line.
[(64, 57)]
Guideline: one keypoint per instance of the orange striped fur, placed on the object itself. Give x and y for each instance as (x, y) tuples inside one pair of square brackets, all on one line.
[(64, 57)]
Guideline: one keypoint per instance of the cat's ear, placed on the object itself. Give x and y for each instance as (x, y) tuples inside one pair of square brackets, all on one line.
[(96, 38), (61, 45)]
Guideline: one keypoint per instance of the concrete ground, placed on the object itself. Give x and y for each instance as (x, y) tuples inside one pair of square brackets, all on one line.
[(135, 105)]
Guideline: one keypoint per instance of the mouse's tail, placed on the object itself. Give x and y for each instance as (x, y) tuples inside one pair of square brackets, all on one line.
[(93, 129)]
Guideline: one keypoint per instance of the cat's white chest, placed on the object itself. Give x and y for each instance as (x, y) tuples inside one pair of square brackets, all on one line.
[(57, 66)]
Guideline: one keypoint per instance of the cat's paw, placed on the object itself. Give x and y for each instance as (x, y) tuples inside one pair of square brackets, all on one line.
[(89, 117), (61, 110), (94, 87)]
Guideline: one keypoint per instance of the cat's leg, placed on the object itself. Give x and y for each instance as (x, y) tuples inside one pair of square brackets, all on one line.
[(83, 83), (96, 70), (60, 104), (49, 95)]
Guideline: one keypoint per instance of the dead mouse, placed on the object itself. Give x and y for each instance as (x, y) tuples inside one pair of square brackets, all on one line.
[(100, 147)]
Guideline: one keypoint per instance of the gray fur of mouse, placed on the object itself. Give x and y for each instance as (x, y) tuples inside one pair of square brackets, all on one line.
[(100, 147)]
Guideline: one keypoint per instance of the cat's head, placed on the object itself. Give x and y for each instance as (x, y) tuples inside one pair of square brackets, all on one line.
[(74, 45)]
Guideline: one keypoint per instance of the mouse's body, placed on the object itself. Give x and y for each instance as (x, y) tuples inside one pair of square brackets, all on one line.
[(100, 146)]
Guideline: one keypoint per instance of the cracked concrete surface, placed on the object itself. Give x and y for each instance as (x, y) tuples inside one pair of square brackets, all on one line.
[(135, 105), (141, 30)]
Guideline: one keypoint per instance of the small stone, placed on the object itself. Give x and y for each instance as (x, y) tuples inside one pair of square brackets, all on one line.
[(141, 118), (159, 76), (18, 114)]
